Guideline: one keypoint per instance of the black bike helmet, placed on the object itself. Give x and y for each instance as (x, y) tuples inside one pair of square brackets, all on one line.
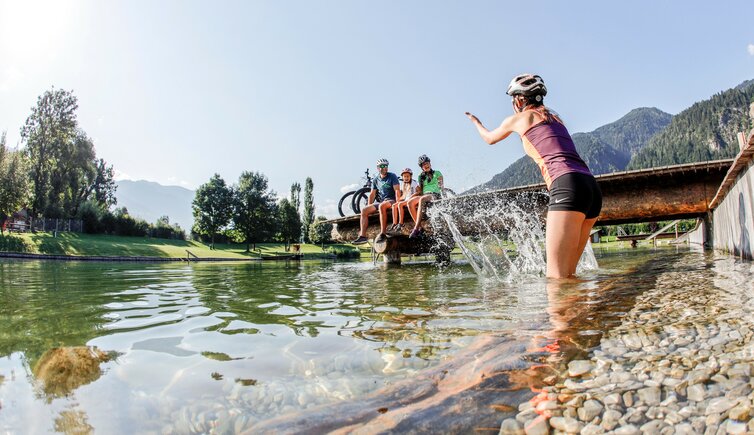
[(423, 159), (528, 85)]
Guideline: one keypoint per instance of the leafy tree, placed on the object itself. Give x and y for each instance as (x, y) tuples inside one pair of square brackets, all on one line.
[(212, 207), (289, 222), (296, 196), (320, 232), (254, 205), (51, 123), (14, 180), (308, 217), (72, 176), (102, 190), (64, 169)]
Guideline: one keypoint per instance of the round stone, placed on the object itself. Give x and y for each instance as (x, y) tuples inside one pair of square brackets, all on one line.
[(565, 424), (589, 410), (511, 427), (579, 367)]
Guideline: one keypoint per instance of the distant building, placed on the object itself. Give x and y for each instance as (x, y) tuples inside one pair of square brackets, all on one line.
[(18, 221)]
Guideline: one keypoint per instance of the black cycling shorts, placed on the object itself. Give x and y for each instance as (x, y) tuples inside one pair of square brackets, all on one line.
[(576, 192)]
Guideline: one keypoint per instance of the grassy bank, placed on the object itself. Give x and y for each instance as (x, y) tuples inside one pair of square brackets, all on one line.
[(119, 246)]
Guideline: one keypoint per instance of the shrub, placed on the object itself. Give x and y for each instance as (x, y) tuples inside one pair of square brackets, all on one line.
[(319, 231), (9, 243), (91, 215), (165, 231), (344, 251)]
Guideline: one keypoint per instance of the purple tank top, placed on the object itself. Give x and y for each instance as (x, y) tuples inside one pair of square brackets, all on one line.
[(551, 147)]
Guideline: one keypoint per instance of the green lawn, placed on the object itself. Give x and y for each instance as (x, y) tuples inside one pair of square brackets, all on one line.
[(102, 245), (112, 246)]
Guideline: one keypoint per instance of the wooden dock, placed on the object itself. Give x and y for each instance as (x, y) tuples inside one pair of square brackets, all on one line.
[(645, 195)]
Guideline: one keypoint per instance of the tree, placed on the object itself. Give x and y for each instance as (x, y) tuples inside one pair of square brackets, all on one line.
[(308, 217), (163, 221), (51, 124), (289, 223), (14, 180), (320, 232), (102, 190), (296, 197), (254, 214), (65, 171), (212, 207)]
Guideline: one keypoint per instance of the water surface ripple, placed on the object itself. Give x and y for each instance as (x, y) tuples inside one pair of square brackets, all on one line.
[(232, 347)]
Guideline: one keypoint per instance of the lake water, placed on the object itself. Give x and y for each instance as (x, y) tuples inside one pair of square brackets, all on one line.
[(310, 346)]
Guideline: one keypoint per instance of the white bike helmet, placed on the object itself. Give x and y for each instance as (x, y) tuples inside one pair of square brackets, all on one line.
[(527, 85), (407, 170), (382, 162)]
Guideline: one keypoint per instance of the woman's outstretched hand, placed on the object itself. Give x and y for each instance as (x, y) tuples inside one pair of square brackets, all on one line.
[(472, 118)]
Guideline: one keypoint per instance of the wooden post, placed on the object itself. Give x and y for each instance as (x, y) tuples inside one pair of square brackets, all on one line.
[(389, 249)]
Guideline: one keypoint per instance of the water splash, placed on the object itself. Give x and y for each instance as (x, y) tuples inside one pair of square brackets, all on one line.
[(502, 236)]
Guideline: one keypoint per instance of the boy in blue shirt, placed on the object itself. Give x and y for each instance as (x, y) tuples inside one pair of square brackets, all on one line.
[(388, 184)]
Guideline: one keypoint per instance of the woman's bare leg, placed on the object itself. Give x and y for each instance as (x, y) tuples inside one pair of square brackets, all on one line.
[(586, 228), (420, 209), (562, 239)]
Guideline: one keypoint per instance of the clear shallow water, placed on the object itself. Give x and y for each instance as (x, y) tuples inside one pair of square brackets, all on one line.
[(228, 347)]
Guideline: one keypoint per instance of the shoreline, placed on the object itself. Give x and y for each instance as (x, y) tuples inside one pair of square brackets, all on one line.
[(104, 258)]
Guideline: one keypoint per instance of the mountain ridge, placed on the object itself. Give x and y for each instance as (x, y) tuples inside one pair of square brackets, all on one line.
[(150, 200)]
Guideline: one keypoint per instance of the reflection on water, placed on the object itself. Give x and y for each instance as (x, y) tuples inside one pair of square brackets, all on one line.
[(230, 347)]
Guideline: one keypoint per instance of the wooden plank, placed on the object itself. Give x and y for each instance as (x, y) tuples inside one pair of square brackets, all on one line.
[(741, 162)]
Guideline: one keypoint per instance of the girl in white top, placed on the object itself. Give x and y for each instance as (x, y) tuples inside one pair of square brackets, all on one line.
[(407, 190)]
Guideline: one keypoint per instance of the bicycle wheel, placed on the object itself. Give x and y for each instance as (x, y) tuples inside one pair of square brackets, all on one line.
[(347, 201), (360, 199)]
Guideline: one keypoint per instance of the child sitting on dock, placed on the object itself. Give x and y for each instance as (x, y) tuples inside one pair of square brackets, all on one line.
[(408, 190), (429, 189)]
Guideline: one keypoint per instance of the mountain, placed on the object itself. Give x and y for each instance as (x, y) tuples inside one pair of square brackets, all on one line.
[(607, 149), (150, 201), (631, 133), (705, 131)]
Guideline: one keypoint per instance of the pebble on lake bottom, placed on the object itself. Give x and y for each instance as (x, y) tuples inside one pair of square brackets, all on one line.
[(679, 363)]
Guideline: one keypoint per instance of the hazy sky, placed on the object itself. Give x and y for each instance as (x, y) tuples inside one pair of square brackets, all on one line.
[(174, 91)]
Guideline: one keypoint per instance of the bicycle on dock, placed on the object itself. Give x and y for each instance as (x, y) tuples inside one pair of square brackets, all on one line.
[(357, 198)]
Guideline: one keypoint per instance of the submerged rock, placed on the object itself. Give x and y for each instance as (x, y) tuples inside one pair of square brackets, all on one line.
[(578, 368), (511, 427), (63, 369)]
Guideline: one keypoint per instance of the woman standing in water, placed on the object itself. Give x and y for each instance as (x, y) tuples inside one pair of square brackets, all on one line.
[(575, 197)]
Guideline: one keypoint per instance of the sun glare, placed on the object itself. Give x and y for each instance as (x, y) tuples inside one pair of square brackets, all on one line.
[(34, 29)]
